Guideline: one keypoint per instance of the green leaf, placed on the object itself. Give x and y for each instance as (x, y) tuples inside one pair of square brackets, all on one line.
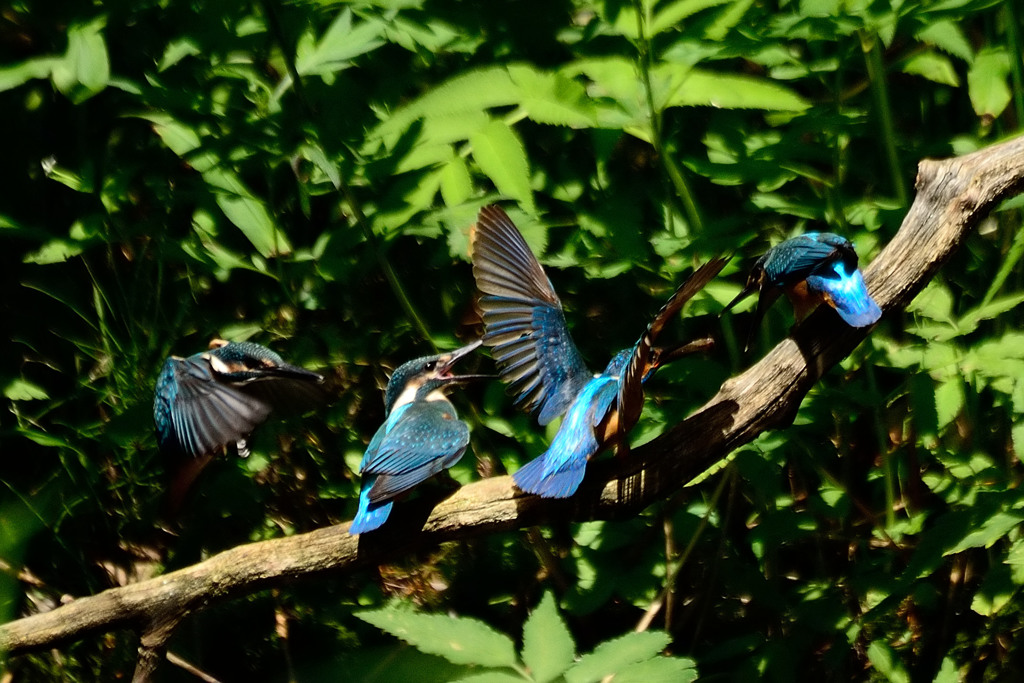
[(13, 76), (933, 66), (995, 591), (887, 662), (659, 670), (460, 640), (949, 400), (733, 91), (339, 45), (21, 389), (456, 183), (675, 12), (947, 672), (993, 529), (987, 82), (470, 92), (614, 655), (969, 322), (548, 647), (948, 37), (492, 677), (244, 210), (85, 69), (502, 157), (555, 99)]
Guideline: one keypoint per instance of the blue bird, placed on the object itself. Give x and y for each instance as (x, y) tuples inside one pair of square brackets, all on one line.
[(421, 435), (526, 330), (811, 268), (215, 398)]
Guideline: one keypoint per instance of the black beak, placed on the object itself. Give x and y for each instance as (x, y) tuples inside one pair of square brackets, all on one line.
[(445, 368)]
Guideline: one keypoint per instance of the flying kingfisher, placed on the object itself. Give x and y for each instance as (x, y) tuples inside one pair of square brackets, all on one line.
[(811, 268), (536, 357), (421, 435), (217, 397)]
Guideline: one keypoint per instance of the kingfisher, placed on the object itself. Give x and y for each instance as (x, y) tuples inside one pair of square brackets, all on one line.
[(217, 397), (811, 268), (421, 435), (525, 327)]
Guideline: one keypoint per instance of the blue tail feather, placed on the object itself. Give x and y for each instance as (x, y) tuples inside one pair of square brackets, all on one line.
[(370, 516), (534, 477)]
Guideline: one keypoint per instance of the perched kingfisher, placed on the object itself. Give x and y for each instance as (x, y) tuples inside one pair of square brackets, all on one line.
[(811, 268), (421, 435), (215, 398), (526, 329)]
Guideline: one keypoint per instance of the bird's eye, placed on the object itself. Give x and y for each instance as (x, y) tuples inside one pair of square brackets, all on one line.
[(431, 365)]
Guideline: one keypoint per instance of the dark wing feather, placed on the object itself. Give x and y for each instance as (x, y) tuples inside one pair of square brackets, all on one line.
[(196, 414), (643, 360), (793, 260), (523, 320)]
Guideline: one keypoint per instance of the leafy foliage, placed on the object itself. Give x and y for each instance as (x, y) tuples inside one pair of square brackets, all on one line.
[(304, 174)]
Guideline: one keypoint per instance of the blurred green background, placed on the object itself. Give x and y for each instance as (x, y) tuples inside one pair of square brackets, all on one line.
[(304, 174)]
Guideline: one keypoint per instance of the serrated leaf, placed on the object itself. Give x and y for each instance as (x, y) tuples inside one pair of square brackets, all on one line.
[(659, 670), (492, 677), (470, 92), (948, 37), (987, 82), (727, 19), (460, 640), (934, 67), (553, 98), (675, 12), (996, 307), (990, 531), (614, 655), (341, 43), (502, 157), (21, 389), (995, 591), (548, 647), (733, 91)]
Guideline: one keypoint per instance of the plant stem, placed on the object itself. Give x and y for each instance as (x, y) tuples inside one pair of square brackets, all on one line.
[(876, 75), (671, 168)]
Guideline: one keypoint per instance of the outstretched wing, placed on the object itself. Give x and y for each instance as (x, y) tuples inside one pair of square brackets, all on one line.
[(644, 360), (421, 440), (523, 320), (196, 414)]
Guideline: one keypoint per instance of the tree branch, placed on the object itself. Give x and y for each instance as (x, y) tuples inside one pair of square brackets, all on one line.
[(953, 196)]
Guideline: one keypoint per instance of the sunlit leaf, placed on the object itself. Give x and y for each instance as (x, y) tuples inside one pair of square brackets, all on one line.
[(733, 91), (987, 82), (460, 640), (21, 389), (614, 655), (502, 157), (933, 66), (548, 648), (887, 662)]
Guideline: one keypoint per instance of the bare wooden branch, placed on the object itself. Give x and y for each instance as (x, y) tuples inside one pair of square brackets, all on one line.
[(953, 196)]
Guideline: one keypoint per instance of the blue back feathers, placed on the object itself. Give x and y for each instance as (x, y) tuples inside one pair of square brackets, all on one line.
[(420, 437)]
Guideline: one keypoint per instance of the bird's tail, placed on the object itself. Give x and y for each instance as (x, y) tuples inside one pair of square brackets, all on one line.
[(534, 477), (369, 516)]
